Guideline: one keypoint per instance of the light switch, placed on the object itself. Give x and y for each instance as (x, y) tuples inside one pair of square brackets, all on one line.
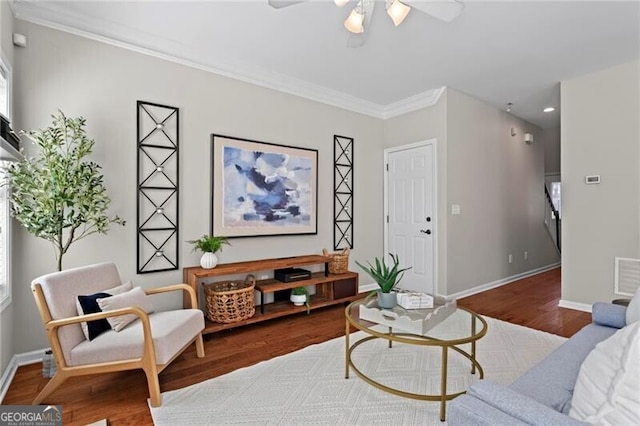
[(455, 209)]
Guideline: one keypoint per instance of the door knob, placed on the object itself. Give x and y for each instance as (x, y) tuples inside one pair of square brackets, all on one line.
[(426, 231)]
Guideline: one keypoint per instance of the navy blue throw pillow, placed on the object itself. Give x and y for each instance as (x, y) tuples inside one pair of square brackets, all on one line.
[(90, 306)]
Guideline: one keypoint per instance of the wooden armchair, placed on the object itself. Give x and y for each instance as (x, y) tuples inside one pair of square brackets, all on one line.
[(150, 342)]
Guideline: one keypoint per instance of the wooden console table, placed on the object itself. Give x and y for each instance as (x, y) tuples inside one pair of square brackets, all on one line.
[(331, 289)]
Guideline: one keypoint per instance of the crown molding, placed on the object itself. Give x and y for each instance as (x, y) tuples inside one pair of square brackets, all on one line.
[(413, 103), (47, 14)]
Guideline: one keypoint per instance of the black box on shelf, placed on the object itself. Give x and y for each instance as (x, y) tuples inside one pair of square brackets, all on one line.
[(7, 134), (288, 275)]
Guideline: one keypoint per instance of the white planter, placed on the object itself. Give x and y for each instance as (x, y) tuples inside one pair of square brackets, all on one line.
[(209, 260), (387, 300), (298, 299)]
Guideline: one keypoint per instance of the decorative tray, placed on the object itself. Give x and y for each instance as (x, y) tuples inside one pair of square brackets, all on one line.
[(416, 321)]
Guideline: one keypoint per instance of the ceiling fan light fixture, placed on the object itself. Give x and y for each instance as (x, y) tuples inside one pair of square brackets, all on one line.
[(355, 22), (340, 3), (397, 11)]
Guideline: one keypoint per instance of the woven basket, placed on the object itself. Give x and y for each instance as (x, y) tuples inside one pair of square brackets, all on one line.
[(230, 301), (339, 263)]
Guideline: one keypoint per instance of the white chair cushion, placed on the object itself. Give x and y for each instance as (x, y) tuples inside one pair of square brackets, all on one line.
[(135, 297), (171, 331), (607, 391), (633, 310), (61, 290), (81, 311)]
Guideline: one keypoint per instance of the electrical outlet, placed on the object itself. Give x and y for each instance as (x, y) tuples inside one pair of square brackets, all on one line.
[(526, 255), (510, 258), (264, 277)]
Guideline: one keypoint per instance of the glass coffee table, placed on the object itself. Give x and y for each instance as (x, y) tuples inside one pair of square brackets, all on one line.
[(461, 327)]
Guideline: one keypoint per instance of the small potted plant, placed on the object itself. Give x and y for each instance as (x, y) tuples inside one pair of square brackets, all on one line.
[(300, 296), (209, 246), (387, 279)]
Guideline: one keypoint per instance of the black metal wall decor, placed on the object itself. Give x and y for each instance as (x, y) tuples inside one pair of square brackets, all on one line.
[(158, 137), (342, 192)]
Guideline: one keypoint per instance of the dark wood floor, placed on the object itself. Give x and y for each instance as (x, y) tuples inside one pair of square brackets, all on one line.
[(122, 397)]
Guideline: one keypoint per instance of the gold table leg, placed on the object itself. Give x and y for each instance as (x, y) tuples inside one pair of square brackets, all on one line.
[(443, 385), (473, 345), (346, 349)]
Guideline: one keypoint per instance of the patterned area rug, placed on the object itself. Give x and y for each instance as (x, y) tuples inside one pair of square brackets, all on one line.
[(308, 386)]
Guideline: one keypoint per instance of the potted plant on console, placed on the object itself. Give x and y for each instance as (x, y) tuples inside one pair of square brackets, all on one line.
[(387, 279), (300, 296), (209, 246)]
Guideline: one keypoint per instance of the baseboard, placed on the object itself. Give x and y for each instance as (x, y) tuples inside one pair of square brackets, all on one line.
[(502, 281), (368, 287), (7, 377), (30, 357), (15, 362), (574, 305)]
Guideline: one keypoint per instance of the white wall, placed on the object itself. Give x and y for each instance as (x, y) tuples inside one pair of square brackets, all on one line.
[(551, 142), (497, 180), (600, 135), (6, 316), (421, 125), (103, 83)]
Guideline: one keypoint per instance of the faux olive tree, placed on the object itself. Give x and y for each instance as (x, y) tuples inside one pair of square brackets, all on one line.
[(59, 195)]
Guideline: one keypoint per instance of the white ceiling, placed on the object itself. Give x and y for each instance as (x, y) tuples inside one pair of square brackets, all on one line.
[(500, 52)]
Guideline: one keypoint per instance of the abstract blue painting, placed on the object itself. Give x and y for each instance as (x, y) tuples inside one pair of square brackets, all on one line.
[(262, 188)]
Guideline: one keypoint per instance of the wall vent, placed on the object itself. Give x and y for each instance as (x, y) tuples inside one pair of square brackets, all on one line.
[(627, 276)]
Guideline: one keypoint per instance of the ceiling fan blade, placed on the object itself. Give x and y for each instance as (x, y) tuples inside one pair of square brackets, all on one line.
[(358, 40), (279, 4), (445, 10)]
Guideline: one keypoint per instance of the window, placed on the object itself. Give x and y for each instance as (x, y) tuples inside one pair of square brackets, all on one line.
[(5, 225), (5, 285), (4, 88)]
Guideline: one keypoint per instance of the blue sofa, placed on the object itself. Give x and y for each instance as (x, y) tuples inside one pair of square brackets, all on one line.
[(541, 396)]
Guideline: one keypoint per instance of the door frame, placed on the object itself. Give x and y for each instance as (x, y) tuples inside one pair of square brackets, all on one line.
[(385, 225)]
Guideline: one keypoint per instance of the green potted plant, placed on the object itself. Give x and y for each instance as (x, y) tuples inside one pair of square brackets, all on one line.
[(59, 195), (387, 279), (209, 246), (300, 296)]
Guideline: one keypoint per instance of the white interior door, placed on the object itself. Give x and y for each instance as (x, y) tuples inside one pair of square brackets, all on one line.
[(411, 224)]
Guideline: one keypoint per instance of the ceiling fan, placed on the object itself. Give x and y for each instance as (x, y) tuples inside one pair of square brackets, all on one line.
[(360, 17)]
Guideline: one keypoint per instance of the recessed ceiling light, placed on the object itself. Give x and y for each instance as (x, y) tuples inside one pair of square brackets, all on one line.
[(549, 109)]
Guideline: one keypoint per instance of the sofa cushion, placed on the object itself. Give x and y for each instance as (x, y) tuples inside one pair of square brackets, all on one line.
[(466, 410), (633, 310), (607, 390), (609, 314), (171, 331), (551, 382), (135, 297), (518, 406), (89, 305)]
